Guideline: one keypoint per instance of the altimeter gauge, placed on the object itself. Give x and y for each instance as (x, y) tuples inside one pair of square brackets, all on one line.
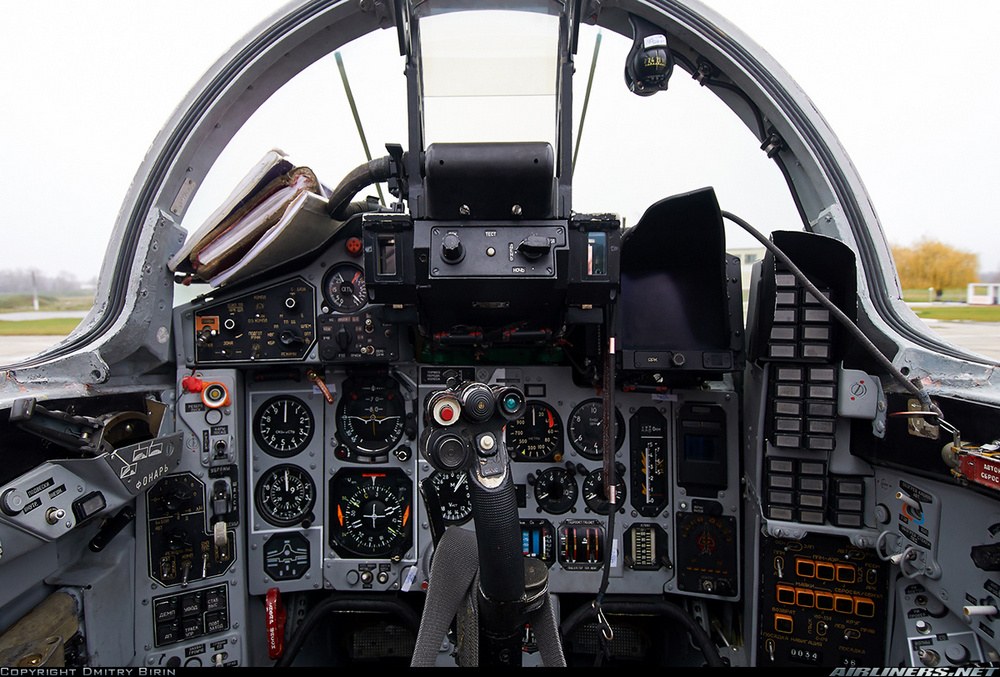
[(285, 495)]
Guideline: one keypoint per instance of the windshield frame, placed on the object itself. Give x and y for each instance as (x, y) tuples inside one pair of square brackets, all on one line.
[(131, 320)]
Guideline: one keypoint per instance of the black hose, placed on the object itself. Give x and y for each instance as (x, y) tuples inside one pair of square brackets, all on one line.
[(344, 603), (375, 171), (631, 605)]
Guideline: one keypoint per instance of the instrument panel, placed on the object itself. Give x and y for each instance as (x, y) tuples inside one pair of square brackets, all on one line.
[(339, 499)]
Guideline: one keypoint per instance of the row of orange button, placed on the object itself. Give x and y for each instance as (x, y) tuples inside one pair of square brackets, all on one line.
[(825, 601), (825, 571)]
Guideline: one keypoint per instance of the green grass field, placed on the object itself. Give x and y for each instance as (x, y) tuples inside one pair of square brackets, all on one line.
[(960, 312), (60, 326), (15, 303), (923, 296)]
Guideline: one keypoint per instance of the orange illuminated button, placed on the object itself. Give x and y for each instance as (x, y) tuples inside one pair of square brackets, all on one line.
[(804, 597), (864, 607), (805, 568), (786, 595), (824, 601), (843, 604), (846, 573), (825, 571), (783, 623)]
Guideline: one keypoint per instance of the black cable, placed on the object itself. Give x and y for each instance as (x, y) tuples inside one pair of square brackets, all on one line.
[(630, 605), (344, 603), (852, 328), (375, 171)]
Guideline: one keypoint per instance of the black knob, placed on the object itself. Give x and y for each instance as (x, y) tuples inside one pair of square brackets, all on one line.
[(448, 452), (452, 250), (534, 247), (290, 338), (343, 339)]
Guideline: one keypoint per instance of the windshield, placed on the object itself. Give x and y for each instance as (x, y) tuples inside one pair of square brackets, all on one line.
[(633, 150), (489, 76)]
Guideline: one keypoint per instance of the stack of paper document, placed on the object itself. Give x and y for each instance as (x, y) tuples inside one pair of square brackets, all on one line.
[(277, 212)]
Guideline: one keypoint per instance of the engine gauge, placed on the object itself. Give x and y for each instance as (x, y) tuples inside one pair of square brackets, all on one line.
[(593, 490), (536, 436), (370, 513), (556, 490), (344, 288), (370, 416), (584, 429), (285, 495), (283, 426), (454, 497)]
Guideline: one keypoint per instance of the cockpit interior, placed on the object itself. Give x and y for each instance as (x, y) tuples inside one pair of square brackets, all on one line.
[(465, 423)]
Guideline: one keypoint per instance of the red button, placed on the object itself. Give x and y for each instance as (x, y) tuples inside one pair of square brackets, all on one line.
[(447, 413)]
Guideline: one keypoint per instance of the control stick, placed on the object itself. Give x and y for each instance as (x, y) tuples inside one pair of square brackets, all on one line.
[(465, 433)]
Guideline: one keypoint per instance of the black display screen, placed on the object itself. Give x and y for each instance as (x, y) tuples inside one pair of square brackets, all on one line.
[(663, 310), (701, 448)]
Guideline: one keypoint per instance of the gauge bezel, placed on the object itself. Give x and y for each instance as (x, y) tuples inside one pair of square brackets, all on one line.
[(339, 306), (553, 454), (439, 479), (388, 392), (619, 430), (268, 448), (564, 505), (349, 482), (266, 513), (601, 505)]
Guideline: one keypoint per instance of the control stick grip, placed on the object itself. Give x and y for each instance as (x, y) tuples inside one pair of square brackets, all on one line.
[(498, 534)]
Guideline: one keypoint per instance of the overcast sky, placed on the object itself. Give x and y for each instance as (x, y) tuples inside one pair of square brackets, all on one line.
[(909, 89)]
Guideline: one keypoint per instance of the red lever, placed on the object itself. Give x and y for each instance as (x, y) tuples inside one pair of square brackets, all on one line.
[(274, 613)]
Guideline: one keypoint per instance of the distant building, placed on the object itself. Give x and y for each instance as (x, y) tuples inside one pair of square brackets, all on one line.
[(983, 294)]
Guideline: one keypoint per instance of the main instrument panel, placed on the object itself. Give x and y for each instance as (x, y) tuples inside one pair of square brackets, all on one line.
[(323, 410), (302, 404)]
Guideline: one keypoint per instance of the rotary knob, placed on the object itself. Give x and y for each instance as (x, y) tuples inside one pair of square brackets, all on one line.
[(452, 249), (12, 502)]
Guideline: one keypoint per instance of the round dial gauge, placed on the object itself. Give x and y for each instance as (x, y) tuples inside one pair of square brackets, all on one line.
[(370, 513), (536, 436), (454, 497), (344, 288), (593, 490), (584, 429), (556, 490), (283, 426), (370, 419), (285, 495)]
